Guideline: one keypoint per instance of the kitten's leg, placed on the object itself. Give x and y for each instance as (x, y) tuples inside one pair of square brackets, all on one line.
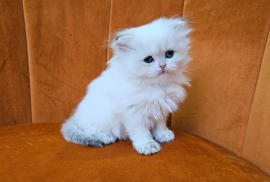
[(141, 137), (161, 133)]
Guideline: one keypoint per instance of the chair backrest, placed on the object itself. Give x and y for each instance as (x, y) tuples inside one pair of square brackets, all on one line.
[(50, 51)]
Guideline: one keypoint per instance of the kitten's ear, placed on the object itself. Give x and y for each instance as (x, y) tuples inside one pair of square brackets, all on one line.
[(121, 41), (181, 25)]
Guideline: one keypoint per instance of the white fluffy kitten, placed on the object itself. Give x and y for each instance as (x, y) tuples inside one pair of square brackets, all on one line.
[(141, 86)]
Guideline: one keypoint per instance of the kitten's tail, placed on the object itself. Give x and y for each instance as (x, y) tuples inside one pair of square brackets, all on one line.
[(72, 133)]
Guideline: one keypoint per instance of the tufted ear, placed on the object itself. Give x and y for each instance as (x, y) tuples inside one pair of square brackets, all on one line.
[(121, 41), (181, 25)]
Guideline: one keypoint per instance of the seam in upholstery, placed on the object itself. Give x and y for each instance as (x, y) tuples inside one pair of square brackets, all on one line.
[(183, 5), (108, 34), (258, 76), (28, 61)]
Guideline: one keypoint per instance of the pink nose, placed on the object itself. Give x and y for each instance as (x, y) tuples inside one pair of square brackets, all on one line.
[(162, 66)]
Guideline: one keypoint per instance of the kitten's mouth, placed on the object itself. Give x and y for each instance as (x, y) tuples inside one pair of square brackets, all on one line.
[(162, 72)]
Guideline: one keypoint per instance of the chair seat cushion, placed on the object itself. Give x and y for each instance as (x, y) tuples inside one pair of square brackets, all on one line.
[(38, 152)]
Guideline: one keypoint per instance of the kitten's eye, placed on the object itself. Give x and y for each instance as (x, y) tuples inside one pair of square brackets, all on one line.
[(148, 59), (169, 54)]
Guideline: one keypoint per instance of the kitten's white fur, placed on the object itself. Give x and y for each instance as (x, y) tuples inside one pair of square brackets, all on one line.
[(132, 98)]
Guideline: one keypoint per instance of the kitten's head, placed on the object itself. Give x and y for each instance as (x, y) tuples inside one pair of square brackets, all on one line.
[(153, 51)]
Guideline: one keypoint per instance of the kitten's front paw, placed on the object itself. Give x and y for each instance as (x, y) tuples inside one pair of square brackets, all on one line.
[(163, 136), (148, 148)]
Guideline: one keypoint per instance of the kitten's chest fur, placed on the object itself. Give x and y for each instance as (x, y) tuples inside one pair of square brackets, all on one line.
[(127, 95), (153, 101)]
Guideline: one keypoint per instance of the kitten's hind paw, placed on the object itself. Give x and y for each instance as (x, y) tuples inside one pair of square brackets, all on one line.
[(106, 138), (95, 140), (148, 148), (90, 142)]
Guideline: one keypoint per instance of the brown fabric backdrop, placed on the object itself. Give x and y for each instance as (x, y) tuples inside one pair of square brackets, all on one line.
[(67, 49)]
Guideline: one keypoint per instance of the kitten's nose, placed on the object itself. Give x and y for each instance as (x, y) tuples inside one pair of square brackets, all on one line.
[(162, 66)]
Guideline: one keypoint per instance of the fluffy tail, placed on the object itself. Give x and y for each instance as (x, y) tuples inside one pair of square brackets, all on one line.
[(72, 133)]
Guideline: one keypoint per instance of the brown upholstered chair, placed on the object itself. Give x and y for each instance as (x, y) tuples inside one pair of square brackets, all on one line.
[(51, 49)]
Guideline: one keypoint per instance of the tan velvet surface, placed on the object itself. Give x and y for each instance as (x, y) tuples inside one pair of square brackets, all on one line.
[(15, 105), (66, 47), (257, 141), (126, 14), (227, 48), (37, 152)]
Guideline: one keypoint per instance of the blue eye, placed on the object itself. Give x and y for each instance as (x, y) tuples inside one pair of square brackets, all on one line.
[(148, 59), (169, 54)]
